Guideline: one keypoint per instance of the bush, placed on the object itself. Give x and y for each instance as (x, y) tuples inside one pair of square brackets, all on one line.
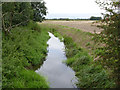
[(109, 52)]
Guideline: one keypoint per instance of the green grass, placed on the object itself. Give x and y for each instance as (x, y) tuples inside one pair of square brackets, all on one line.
[(90, 74), (24, 49), (56, 34), (27, 78)]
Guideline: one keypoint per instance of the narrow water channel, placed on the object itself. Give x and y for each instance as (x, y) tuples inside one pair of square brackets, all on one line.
[(56, 72)]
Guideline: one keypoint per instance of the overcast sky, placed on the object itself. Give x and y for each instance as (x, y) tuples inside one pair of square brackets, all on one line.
[(72, 8)]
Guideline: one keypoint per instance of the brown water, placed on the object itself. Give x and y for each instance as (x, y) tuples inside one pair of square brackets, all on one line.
[(57, 73)]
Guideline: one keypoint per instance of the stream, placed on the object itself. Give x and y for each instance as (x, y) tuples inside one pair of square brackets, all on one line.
[(57, 73)]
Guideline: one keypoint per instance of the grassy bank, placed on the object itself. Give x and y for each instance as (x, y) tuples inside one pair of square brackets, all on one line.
[(90, 74), (80, 58), (24, 49)]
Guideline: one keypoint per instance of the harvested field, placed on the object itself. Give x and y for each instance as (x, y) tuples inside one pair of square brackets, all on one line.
[(86, 26)]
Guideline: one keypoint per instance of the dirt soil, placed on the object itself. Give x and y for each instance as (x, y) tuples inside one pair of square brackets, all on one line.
[(86, 26)]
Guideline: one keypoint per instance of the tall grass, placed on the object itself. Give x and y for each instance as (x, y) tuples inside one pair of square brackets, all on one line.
[(90, 74), (23, 49)]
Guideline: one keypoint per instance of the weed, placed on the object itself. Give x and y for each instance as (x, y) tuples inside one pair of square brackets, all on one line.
[(88, 44)]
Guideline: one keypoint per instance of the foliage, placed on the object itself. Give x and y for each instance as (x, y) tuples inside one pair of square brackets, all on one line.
[(39, 10), (24, 48), (20, 13), (15, 13), (110, 38), (89, 74)]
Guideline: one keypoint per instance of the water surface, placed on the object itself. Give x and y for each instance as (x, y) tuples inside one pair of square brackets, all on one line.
[(57, 73)]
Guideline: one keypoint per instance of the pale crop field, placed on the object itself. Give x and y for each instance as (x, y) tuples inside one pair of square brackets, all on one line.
[(86, 26)]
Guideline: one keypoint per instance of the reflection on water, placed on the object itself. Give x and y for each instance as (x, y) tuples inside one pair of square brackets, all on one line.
[(57, 73)]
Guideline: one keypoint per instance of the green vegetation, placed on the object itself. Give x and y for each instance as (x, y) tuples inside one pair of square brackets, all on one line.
[(56, 34), (109, 51), (28, 79), (39, 10), (23, 49), (24, 44), (90, 74), (20, 13)]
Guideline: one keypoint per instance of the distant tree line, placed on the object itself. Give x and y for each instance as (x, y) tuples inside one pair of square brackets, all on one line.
[(68, 19), (95, 18), (20, 13)]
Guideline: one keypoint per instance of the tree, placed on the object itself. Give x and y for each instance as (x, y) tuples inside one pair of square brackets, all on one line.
[(23, 13), (20, 13), (40, 10), (110, 38), (15, 14)]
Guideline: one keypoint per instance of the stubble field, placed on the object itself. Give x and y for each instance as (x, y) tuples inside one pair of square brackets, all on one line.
[(86, 26)]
